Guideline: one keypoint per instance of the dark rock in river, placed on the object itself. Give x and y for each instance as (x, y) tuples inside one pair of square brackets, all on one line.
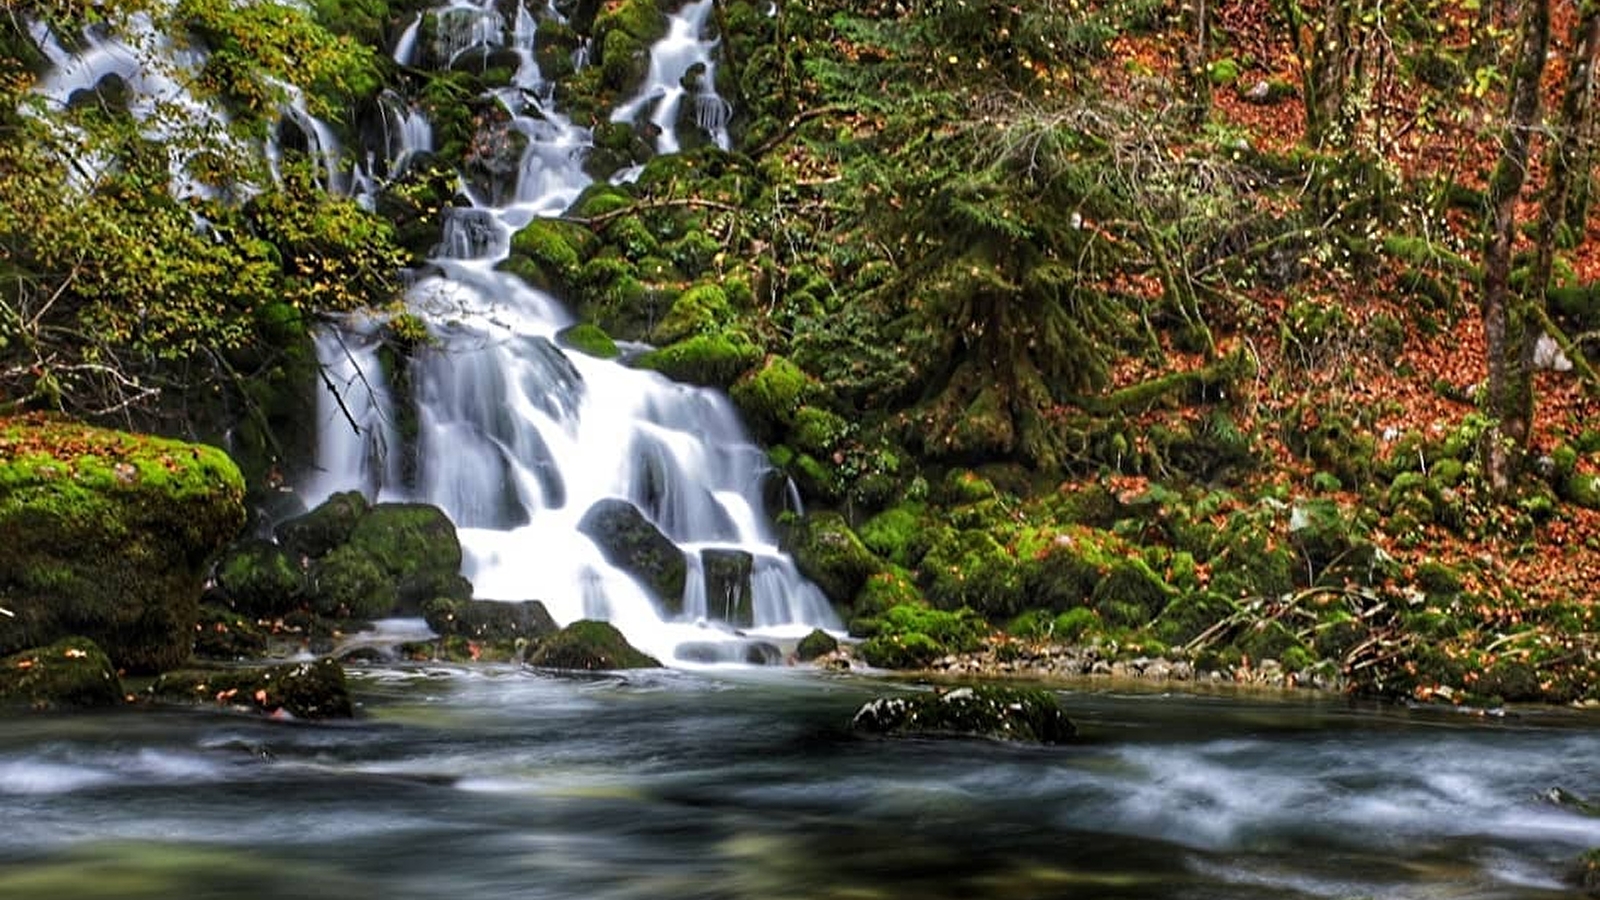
[(587, 644), (259, 578), (223, 634), (489, 620), (747, 652), (816, 644), (1009, 714), (324, 528), (309, 690), (630, 542), (72, 672), (729, 595)]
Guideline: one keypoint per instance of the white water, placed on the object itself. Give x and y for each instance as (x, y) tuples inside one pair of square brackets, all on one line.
[(517, 439), (663, 92)]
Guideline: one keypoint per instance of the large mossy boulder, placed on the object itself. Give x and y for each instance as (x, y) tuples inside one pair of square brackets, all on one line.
[(828, 552), (70, 673), (109, 535), (366, 561), (307, 690), (632, 543), (1026, 715), (590, 645)]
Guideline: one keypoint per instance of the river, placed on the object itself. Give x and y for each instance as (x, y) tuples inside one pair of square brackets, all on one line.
[(508, 783)]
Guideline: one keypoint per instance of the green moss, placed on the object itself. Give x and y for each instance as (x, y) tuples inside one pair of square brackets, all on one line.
[(881, 592), (970, 568), (108, 535), (818, 431), (899, 535), (72, 672), (769, 396), (817, 643), (901, 651), (1130, 594), (259, 579), (309, 690), (323, 528), (590, 645), (1075, 623), (349, 583), (710, 360), (558, 248), (829, 553), (590, 339), (702, 309), (1029, 715)]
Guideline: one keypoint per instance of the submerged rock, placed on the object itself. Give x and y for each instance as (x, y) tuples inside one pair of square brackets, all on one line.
[(72, 672), (308, 690), (109, 535), (588, 644), (1010, 714)]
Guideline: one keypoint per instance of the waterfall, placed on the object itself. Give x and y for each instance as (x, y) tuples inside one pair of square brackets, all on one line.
[(516, 438), (683, 50)]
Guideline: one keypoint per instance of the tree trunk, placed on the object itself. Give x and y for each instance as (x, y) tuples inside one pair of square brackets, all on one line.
[(1197, 59), (1504, 441)]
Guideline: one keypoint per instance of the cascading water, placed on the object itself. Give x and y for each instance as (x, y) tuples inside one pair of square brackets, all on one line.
[(673, 58), (517, 439)]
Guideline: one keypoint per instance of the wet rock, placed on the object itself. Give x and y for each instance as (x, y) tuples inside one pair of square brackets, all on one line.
[(259, 578), (633, 544), (729, 595), (817, 644), (587, 644), (70, 673), (324, 528), (308, 690), (750, 653), (221, 633), (489, 620), (1009, 714)]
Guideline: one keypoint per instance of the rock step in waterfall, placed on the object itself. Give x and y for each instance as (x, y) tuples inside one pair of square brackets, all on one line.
[(606, 492)]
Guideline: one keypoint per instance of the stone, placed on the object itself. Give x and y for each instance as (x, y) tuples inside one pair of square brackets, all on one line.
[(815, 645), (70, 673), (489, 620), (590, 645), (1026, 715), (729, 595), (307, 690), (109, 536), (635, 545)]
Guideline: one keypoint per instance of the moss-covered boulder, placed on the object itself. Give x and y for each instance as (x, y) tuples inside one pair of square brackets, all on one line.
[(589, 339), (70, 673), (324, 528), (109, 536), (635, 545), (970, 568), (708, 360), (1007, 714), (770, 395), (308, 690), (259, 578), (489, 620), (702, 309), (590, 645), (913, 637), (223, 634), (829, 553), (817, 643)]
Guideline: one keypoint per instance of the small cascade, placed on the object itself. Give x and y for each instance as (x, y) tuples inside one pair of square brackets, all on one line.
[(683, 55), (516, 438), (321, 144), (405, 49)]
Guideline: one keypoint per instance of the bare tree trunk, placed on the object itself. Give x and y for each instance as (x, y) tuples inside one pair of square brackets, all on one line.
[(1504, 441), (1197, 58)]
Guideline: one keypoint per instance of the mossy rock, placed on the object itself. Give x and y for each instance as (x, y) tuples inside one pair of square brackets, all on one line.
[(901, 651), (350, 584), (818, 431), (632, 543), (1027, 715), (770, 395), (489, 620), (109, 536), (970, 568), (708, 360), (558, 248), (416, 546), (307, 690), (70, 673), (828, 552), (590, 339), (702, 309), (1187, 615), (222, 634), (259, 579), (817, 643), (324, 528), (590, 645), (1130, 594), (885, 590), (900, 534)]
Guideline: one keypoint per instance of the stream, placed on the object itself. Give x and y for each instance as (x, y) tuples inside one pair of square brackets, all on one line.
[(739, 783)]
